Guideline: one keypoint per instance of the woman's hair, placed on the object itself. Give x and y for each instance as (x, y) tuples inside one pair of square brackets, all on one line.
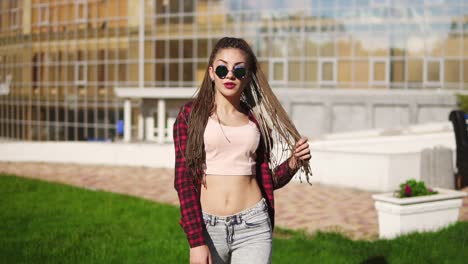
[(257, 97)]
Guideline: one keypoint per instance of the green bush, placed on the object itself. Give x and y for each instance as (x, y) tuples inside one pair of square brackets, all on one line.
[(413, 188), (462, 102)]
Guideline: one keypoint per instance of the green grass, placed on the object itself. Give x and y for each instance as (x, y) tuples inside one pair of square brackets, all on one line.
[(43, 222)]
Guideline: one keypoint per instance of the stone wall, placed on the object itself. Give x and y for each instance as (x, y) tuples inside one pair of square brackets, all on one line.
[(318, 112)]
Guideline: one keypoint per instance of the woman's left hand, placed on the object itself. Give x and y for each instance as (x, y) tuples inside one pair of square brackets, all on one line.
[(301, 152)]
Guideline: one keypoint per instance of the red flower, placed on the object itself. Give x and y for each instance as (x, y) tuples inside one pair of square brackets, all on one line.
[(408, 190)]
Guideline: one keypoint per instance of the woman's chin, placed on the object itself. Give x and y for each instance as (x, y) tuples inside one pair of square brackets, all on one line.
[(230, 92)]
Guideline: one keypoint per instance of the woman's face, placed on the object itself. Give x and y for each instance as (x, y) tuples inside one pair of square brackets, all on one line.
[(228, 72)]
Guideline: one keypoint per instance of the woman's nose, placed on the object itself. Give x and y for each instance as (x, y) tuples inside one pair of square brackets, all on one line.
[(230, 75)]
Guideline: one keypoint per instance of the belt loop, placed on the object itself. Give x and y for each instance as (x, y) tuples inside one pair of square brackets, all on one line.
[(212, 220), (238, 219)]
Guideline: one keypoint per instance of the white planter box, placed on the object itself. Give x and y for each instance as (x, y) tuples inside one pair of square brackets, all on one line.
[(424, 213)]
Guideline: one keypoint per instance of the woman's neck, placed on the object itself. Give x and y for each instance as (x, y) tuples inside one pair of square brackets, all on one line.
[(227, 105)]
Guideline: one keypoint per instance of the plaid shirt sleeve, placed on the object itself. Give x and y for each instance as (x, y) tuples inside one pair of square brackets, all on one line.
[(190, 208), (284, 174)]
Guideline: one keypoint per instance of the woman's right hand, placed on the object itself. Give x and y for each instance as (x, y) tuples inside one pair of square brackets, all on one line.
[(200, 255)]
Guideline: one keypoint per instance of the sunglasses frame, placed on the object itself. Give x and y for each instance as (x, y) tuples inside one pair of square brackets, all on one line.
[(235, 72)]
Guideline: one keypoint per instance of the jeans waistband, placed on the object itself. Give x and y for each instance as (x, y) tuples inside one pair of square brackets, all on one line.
[(236, 218)]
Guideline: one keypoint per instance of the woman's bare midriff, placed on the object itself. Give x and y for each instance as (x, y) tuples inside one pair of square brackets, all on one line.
[(228, 195)]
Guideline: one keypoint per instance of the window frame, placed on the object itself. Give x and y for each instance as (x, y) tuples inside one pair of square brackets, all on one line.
[(84, 66), (40, 8), (83, 4), (271, 70), (372, 62), (323, 60), (377, 3), (428, 83), (14, 14)]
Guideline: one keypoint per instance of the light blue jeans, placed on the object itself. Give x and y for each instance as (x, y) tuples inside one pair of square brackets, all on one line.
[(245, 237)]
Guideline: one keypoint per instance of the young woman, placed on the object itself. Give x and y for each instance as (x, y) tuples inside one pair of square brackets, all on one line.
[(226, 168)]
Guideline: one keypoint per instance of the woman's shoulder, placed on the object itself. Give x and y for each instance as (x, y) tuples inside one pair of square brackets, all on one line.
[(188, 105), (184, 112), (186, 108)]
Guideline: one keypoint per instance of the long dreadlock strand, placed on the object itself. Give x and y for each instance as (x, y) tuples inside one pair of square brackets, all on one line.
[(273, 118)]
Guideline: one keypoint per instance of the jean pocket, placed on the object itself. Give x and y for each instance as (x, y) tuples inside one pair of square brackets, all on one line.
[(260, 219)]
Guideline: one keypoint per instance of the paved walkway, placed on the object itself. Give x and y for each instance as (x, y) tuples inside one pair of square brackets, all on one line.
[(299, 206)]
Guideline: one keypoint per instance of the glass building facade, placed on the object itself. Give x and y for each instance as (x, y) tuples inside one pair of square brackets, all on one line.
[(66, 57)]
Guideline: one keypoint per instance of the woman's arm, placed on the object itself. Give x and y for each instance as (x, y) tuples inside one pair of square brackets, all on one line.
[(284, 174), (190, 209), (286, 170)]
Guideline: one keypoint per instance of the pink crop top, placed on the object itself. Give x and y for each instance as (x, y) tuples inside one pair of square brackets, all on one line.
[(230, 150)]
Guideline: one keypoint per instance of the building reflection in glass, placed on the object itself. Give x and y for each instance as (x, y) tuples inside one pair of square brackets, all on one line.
[(65, 57)]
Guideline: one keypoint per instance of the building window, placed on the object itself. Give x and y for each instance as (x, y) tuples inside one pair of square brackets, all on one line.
[(80, 73), (380, 2), (13, 5), (311, 70), (278, 70), (2, 67), (38, 70), (452, 69), (81, 69), (81, 11), (102, 69), (397, 71), (294, 71), (14, 14), (174, 7), (434, 2), (43, 14), (379, 71), (188, 6), (327, 71), (433, 71), (162, 6)]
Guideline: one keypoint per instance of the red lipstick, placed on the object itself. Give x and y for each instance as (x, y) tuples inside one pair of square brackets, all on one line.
[(229, 85)]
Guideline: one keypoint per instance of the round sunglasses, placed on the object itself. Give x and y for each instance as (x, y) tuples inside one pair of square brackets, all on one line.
[(238, 71)]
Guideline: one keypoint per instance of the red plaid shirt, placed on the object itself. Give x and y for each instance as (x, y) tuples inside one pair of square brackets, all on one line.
[(189, 191)]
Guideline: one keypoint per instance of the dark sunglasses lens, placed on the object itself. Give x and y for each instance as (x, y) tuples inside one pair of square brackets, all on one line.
[(221, 71), (239, 72)]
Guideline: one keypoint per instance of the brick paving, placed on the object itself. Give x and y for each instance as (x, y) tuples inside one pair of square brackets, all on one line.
[(299, 206)]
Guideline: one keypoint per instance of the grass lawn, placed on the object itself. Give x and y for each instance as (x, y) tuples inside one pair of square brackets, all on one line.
[(43, 222)]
